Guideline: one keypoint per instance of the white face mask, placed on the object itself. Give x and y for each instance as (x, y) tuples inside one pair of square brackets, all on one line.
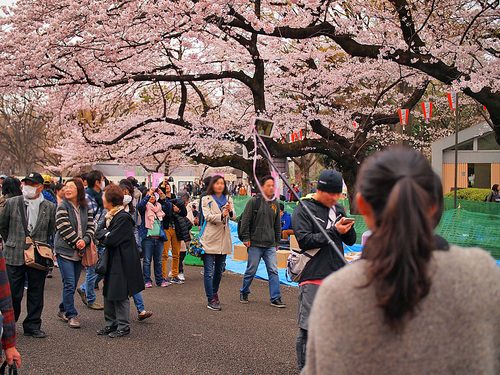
[(127, 199), (29, 191), (103, 185)]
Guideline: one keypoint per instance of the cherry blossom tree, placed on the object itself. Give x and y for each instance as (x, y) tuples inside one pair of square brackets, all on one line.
[(170, 75)]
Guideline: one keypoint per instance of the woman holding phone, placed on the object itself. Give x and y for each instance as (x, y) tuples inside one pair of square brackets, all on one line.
[(218, 208)]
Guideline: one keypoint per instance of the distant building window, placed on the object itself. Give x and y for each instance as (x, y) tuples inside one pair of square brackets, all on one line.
[(466, 146), (488, 142)]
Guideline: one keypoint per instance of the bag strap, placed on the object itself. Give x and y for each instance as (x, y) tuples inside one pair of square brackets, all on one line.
[(204, 221), (12, 368), (23, 218)]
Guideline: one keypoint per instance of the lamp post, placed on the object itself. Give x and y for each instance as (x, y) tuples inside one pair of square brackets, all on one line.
[(453, 100)]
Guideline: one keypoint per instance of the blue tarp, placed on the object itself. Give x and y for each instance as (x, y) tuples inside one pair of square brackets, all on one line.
[(240, 266)]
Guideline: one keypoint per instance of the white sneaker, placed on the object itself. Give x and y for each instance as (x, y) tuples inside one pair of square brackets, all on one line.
[(170, 274), (181, 277)]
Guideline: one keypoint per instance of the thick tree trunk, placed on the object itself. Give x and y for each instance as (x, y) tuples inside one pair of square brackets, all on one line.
[(349, 176)]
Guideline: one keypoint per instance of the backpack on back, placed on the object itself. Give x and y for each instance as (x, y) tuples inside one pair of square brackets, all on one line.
[(258, 199)]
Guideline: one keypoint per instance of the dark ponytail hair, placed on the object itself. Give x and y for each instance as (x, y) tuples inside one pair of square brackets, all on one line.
[(398, 183)]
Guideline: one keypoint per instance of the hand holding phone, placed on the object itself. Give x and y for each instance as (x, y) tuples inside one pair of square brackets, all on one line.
[(344, 225), (347, 220)]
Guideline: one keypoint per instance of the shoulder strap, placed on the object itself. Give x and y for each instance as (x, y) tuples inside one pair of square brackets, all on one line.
[(204, 221), (23, 217), (258, 199)]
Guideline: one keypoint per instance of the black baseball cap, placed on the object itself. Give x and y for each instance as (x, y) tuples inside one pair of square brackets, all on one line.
[(35, 177), (330, 181)]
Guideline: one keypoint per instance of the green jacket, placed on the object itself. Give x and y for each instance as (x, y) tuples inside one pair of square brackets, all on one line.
[(266, 231)]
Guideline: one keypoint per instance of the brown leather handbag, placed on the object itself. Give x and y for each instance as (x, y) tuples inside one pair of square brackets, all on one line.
[(90, 256)]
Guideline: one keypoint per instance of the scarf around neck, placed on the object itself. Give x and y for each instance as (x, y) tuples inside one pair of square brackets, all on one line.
[(97, 197), (152, 211), (111, 214), (32, 210), (221, 202)]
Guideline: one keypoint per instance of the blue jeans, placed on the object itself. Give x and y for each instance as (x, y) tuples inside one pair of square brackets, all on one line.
[(213, 265), (70, 273), (91, 280), (271, 260), (137, 239), (139, 302), (152, 249)]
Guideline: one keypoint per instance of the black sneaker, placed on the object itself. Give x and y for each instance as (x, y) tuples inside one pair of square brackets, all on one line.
[(277, 303), (106, 330), (214, 305), (37, 333), (244, 297), (119, 333), (216, 297), (176, 280)]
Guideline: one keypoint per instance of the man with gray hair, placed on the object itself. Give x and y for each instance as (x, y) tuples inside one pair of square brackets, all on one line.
[(32, 211)]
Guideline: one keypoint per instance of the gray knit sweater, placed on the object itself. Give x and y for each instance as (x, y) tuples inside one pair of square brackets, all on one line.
[(456, 331)]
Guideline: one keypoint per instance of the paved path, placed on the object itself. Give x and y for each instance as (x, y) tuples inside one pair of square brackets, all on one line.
[(182, 337)]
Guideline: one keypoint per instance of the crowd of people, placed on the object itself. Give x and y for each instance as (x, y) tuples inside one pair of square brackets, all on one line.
[(420, 305)]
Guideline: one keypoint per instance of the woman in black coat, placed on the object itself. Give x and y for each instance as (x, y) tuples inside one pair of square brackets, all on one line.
[(123, 276)]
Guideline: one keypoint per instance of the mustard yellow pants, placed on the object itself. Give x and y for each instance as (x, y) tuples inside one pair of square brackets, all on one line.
[(176, 251)]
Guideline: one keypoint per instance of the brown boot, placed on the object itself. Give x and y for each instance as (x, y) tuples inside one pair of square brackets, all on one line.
[(62, 315), (74, 323)]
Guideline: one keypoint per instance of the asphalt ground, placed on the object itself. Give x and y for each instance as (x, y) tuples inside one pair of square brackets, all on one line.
[(182, 337)]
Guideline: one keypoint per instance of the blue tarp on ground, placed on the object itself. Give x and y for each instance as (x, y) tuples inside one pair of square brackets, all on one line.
[(240, 266)]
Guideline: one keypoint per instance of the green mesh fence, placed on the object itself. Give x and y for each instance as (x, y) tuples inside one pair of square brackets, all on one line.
[(240, 202), (475, 224), (473, 206), (359, 225), (469, 229)]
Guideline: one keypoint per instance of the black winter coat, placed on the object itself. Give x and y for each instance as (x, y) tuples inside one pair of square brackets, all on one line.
[(309, 237), (124, 275), (181, 222), (182, 227)]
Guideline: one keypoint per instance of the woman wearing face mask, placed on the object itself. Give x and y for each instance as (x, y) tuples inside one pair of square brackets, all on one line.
[(123, 276), (75, 229), (405, 308), (129, 206)]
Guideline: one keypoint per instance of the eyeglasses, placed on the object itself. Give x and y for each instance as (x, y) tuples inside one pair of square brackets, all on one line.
[(70, 188)]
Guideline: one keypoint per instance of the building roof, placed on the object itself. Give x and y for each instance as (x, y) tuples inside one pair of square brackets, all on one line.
[(477, 131), (476, 144)]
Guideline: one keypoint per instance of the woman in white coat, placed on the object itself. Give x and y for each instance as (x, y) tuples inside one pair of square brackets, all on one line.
[(218, 208)]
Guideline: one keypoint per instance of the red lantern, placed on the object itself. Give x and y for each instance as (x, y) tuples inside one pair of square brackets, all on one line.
[(403, 117), (427, 108)]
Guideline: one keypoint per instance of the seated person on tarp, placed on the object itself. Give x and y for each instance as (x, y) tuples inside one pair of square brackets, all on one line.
[(494, 195), (286, 223)]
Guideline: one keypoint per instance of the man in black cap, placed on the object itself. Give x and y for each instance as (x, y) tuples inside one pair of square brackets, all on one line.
[(332, 218), (33, 211)]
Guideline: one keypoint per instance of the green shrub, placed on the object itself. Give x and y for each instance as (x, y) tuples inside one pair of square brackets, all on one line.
[(470, 194)]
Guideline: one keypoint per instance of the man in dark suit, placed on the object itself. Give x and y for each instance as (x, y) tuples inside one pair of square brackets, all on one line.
[(39, 216)]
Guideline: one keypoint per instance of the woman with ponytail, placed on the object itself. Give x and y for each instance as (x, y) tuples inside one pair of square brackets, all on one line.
[(406, 308)]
